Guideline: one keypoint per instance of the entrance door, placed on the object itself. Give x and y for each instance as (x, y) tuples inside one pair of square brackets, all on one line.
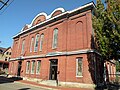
[(19, 68), (53, 69)]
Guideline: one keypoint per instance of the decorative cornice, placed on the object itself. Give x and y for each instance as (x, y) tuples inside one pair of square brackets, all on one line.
[(50, 18)]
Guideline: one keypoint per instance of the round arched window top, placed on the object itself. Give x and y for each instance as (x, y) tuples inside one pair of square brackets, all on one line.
[(25, 27), (39, 18), (57, 12)]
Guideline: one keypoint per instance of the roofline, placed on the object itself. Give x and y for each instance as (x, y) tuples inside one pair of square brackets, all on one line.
[(6, 49), (67, 12)]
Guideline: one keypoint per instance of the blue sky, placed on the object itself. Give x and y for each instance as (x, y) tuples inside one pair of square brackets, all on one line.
[(21, 12)]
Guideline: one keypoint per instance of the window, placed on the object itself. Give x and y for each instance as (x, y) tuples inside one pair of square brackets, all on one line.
[(36, 43), (7, 53), (38, 21), (41, 41), (31, 44), (33, 67), (10, 53), (23, 46), (79, 66), (5, 58), (38, 67), (55, 38), (28, 67), (8, 58)]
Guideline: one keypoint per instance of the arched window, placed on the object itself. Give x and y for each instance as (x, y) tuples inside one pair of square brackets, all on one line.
[(23, 46), (28, 67), (79, 66), (36, 43), (38, 67), (55, 38), (41, 41), (31, 44), (33, 67)]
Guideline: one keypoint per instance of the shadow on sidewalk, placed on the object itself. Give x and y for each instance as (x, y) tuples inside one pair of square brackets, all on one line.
[(4, 79), (24, 89)]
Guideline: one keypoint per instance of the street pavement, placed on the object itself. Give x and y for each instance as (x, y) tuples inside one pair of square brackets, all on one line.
[(16, 83), (13, 84), (19, 86)]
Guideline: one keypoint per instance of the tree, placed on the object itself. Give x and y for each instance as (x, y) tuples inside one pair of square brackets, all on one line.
[(113, 15), (118, 66), (106, 24)]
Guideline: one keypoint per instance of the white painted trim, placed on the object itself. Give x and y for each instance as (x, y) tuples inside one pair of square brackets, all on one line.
[(32, 63), (36, 39), (27, 71), (44, 14), (77, 67), (40, 14), (89, 4), (48, 18), (79, 76), (84, 51), (61, 9), (38, 73)]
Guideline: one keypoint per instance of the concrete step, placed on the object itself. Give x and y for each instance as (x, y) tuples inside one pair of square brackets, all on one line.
[(49, 82)]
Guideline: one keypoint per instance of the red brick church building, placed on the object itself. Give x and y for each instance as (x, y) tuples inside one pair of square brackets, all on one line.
[(58, 47)]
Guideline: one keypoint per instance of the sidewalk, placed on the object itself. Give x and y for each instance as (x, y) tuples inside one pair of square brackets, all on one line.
[(5, 79), (52, 87)]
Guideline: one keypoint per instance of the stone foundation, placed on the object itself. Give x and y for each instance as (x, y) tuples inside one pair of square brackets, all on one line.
[(62, 84)]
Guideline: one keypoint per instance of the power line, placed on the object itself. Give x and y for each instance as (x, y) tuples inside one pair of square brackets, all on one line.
[(6, 3), (2, 1)]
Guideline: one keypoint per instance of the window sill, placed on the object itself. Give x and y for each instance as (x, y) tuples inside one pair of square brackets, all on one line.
[(37, 73), (54, 48), (35, 51), (79, 76)]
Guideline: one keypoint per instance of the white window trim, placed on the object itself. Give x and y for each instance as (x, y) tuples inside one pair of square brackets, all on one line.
[(37, 66), (31, 44), (28, 71), (23, 47), (37, 35), (77, 67), (32, 67), (54, 47), (41, 40)]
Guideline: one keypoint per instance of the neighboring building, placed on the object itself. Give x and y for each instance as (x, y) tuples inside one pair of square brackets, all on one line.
[(2, 50), (110, 71), (58, 47), (5, 55)]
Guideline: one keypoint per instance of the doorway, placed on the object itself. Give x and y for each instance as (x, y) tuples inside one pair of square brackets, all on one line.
[(19, 68), (53, 69)]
